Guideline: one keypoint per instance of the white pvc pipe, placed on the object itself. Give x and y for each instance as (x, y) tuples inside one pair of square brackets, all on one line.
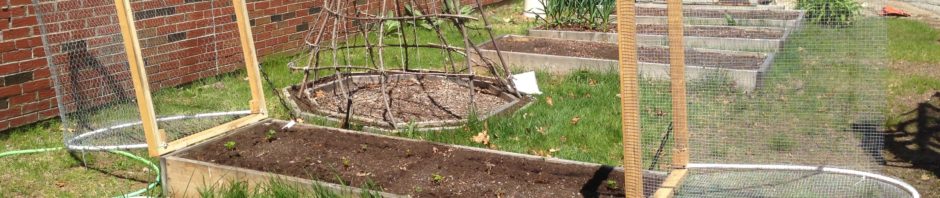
[(910, 189), (533, 8), (69, 144)]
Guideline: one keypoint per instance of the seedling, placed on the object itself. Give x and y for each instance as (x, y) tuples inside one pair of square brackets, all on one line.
[(271, 135), (611, 184), (730, 20), (346, 162), (437, 178), (230, 145)]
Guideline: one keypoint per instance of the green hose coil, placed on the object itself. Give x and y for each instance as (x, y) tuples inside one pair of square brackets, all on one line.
[(129, 155)]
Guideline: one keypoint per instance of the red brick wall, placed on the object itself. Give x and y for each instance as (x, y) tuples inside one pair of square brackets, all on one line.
[(25, 86), (179, 44)]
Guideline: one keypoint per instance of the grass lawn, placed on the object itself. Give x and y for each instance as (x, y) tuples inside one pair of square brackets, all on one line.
[(59, 174), (577, 118), (914, 76)]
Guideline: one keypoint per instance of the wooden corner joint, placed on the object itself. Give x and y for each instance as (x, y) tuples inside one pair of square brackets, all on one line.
[(671, 184), (256, 107), (164, 138)]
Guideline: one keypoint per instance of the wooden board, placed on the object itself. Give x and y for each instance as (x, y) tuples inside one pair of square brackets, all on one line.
[(157, 139), (257, 103), (630, 101), (148, 116), (185, 178), (669, 186), (212, 132)]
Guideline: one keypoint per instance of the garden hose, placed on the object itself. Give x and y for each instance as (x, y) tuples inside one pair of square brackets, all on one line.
[(129, 155)]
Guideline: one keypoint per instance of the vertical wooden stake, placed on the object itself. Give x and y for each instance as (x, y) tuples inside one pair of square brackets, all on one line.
[(677, 75), (629, 101), (139, 75), (251, 58)]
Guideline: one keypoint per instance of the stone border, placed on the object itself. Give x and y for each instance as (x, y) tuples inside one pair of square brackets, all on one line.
[(721, 43), (378, 126), (747, 80), (186, 176)]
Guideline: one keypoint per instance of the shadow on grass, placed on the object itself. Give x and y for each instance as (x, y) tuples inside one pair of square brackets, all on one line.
[(112, 165), (917, 137)]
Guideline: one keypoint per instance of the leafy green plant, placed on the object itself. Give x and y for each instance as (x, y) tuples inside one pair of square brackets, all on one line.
[(271, 135), (589, 14), (394, 28), (427, 24), (611, 184), (831, 12), (230, 145), (437, 178), (370, 189), (730, 20), (346, 162)]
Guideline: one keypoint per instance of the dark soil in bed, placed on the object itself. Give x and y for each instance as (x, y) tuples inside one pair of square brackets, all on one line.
[(413, 100), (736, 14), (400, 166), (700, 31), (609, 51)]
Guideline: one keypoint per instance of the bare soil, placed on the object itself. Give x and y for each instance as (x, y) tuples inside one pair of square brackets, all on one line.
[(609, 51), (912, 147), (714, 31), (416, 168), (700, 31), (412, 100)]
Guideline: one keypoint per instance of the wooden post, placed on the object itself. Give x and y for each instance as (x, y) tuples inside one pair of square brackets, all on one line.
[(139, 75), (629, 101), (251, 58), (677, 74), (680, 157)]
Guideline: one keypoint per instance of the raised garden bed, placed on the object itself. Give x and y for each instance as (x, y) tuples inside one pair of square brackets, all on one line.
[(307, 155), (656, 14), (709, 2), (562, 56), (756, 39), (419, 102)]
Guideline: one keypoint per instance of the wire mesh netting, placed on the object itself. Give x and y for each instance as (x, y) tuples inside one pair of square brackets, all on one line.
[(780, 102), (183, 45), (774, 97)]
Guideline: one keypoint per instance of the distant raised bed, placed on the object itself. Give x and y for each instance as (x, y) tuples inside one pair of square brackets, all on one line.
[(419, 102), (656, 14), (756, 39), (328, 158), (562, 56)]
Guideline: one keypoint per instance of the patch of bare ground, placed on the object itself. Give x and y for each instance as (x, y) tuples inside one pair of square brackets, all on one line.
[(913, 147), (924, 178), (925, 69)]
